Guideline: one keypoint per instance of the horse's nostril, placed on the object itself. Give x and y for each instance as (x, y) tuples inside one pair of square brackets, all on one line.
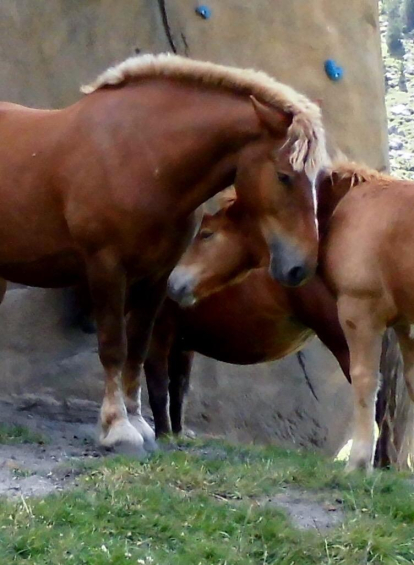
[(296, 275)]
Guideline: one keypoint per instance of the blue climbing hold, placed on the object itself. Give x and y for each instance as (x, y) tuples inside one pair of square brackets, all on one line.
[(204, 11), (333, 70)]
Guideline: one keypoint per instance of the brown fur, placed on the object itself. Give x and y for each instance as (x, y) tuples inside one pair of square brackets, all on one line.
[(104, 192), (367, 260), (306, 134), (253, 320)]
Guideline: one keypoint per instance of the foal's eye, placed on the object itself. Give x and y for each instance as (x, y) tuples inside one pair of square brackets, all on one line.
[(284, 179), (205, 234)]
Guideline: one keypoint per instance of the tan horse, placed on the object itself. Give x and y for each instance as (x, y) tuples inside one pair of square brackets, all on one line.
[(103, 193), (366, 260)]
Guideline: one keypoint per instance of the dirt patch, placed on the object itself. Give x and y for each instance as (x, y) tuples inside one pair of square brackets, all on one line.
[(306, 510), (68, 430)]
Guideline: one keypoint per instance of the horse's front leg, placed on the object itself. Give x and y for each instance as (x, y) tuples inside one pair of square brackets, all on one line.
[(364, 337), (144, 301), (107, 284), (179, 369)]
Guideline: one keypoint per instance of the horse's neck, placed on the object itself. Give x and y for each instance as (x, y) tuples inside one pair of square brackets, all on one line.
[(213, 124), (218, 139), (329, 197)]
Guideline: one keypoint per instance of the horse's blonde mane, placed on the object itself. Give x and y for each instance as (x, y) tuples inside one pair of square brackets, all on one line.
[(357, 172), (306, 135)]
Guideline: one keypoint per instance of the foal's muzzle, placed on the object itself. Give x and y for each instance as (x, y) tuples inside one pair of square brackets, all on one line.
[(288, 265), (180, 286)]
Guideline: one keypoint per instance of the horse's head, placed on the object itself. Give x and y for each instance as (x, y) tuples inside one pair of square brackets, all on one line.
[(275, 211), (278, 189), (222, 252)]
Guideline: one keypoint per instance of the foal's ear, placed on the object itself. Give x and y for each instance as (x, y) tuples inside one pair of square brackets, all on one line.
[(226, 197), (275, 120)]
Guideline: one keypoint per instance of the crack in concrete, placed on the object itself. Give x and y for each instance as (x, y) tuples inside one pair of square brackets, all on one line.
[(301, 362), (166, 24)]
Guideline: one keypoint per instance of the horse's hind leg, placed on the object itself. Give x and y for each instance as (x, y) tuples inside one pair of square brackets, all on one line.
[(406, 341), (156, 371), (107, 286), (179, 370), (364, 341), (156, 367)]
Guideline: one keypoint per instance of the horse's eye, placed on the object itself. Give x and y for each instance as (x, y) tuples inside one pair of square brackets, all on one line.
[(205, 234), (284, 179)]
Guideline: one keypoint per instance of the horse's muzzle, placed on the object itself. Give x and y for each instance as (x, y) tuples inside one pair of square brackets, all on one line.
[(288, 265), (180, 286)]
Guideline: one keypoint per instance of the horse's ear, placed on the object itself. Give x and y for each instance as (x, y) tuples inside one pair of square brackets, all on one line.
[(275, 120), (226, 198)]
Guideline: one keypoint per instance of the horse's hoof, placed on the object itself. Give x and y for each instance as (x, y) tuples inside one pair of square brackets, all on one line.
[(146, 432), (359, 465), (361, 457), (189, 434), (123, 438)]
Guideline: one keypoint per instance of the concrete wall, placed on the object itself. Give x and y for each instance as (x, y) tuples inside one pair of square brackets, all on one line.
[(47, 49)]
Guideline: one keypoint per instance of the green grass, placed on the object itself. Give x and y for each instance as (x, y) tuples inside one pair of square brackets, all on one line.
[(11, 434), (197, 506)]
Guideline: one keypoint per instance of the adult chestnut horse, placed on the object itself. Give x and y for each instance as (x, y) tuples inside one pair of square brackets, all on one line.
[(103, 192), (253, 320)]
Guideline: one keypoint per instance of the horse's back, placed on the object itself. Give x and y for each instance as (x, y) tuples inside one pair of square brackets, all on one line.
[(13, 115), (27, 138)]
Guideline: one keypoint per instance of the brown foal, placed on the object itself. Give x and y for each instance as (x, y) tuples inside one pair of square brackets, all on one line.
[(368, 262), (252, 320), (103, 193)]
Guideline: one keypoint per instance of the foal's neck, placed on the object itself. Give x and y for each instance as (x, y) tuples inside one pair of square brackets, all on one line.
[(330, 193)]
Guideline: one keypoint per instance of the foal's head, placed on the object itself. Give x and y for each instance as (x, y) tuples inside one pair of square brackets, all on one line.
[(222, 253), (279, 194)]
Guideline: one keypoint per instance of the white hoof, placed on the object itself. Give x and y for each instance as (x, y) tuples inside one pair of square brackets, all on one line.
[(189, 434), (361, 456), (145, 431), (122, 437), (361, 465)]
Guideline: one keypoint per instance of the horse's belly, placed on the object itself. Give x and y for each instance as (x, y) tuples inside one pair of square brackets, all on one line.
[(52, 271), (247, 345)]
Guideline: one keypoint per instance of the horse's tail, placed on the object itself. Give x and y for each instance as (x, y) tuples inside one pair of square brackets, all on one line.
[(395, 410)]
